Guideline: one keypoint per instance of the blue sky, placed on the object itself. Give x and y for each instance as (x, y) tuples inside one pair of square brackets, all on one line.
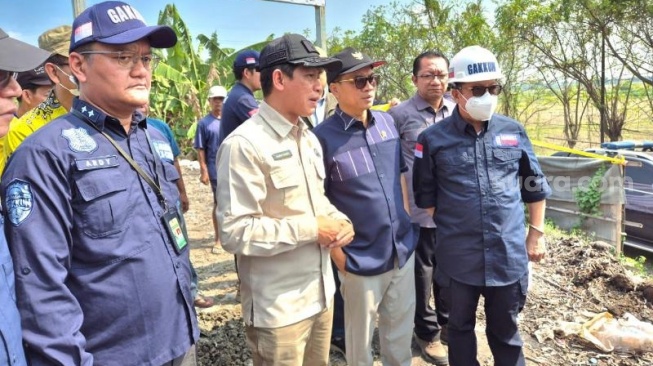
[(238, 22)]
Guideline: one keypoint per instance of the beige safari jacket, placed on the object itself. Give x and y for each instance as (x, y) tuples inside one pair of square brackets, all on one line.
[(270, 189)]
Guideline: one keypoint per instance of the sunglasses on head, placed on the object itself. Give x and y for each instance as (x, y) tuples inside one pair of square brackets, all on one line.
[(360, 82), (479, 91), (5, 77)]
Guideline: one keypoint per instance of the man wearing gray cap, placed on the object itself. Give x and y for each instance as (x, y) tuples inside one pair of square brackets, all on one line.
[(274, 216), (14, 56), (103, 275)]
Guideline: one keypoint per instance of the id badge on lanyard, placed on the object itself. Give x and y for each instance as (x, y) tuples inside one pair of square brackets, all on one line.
[(172, 223)]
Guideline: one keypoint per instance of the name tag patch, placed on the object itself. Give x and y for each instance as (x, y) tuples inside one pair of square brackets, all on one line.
[(99, 162), (282, 155), (164, 150), (507, 140)]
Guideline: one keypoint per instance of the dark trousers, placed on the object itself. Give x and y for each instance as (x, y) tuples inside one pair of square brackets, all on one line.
[(428, 320), (338, 329), (501, 309)]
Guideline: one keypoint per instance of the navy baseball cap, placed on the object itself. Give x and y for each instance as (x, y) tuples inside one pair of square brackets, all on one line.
[(247, 58), (297, 50), (19, 56), (114, 22)]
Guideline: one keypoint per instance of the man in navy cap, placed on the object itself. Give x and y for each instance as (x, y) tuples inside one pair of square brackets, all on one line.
[(103, 275), (274, 216), (240, 104), (14, 56)]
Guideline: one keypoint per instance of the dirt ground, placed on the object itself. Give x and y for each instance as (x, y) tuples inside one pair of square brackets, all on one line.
[(578, 280)]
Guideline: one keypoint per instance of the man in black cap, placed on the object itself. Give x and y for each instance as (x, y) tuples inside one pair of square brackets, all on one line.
[(15, 56), (364, 166), (103, 271), (274, 216), (36, 86)]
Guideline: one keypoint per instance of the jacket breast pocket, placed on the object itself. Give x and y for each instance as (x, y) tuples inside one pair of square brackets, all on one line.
[(504, 173), (457, 169), (102, 204), (285, 180)]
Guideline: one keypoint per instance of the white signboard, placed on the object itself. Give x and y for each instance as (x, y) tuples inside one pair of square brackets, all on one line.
[(303, 2)]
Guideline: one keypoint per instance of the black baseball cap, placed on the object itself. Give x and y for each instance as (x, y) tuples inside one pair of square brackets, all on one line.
[(34, 78), (297, 50), (19, 56), (352, 60)]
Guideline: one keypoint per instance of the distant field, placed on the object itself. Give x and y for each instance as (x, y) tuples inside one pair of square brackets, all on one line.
[(542, 115)]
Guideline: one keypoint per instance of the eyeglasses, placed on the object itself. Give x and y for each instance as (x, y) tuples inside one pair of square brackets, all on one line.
[(5, 78), (360, 82), (128, 59), (479, 91), (431, 77)]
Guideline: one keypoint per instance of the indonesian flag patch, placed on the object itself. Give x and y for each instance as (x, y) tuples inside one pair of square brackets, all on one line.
[(507, 140), (419, 149)]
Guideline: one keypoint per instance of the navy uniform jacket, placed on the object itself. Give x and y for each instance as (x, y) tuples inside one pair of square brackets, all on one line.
[(11, 346), (208, 138), (97, 279), (239, 106), (474, 181)]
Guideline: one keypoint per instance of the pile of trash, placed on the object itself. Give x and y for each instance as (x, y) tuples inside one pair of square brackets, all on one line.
[(585, 308)]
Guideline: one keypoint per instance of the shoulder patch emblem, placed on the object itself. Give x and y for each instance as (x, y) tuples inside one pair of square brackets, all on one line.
[(79, 140), (19, 201)]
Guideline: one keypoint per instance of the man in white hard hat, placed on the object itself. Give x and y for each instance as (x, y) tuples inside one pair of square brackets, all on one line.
[(207, 141), (473, 171)]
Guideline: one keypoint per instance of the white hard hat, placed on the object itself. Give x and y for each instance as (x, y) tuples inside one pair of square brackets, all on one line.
[(474, 63), (217, 92)]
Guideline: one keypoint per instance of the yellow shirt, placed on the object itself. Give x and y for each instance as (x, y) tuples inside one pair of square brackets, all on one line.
[(31, 121)]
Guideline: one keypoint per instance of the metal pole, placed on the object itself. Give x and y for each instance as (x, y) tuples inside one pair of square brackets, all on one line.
[(603, 111), (320, 26), (78, 7)]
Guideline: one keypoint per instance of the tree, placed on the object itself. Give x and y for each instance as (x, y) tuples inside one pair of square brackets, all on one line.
[(181, 81)]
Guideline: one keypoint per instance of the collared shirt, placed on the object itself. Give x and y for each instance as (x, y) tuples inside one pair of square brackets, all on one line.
[(473, 182), (207, 138), (11, 353), (270, 191), (31, 121), (97, 278), (320, 109), (239, 106), (412, 117), (364, 167)]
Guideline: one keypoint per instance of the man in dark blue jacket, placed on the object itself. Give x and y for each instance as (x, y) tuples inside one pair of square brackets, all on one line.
[(474, 170), (15, 56), (103, 275)]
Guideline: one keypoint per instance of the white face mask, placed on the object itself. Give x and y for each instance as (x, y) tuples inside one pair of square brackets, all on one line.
[(482, 108), (74, 92)]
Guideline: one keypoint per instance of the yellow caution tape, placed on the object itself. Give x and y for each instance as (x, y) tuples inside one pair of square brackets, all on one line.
[(381, 107), (621, 160)]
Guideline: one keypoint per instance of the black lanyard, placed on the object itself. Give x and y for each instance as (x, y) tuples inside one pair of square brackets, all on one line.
[(156, 186)]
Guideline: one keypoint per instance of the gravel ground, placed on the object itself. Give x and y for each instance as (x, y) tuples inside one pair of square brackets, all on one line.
[(579, 279)]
